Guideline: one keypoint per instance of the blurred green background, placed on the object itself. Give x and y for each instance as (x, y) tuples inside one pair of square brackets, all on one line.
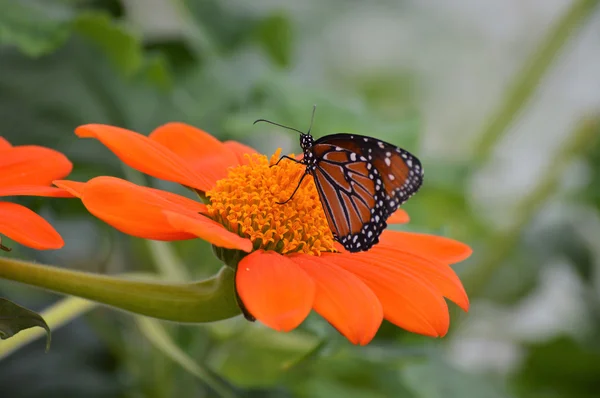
[(500, 99)]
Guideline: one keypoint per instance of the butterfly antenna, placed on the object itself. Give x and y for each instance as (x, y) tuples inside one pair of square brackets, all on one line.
[(277, 124), (312, 119)]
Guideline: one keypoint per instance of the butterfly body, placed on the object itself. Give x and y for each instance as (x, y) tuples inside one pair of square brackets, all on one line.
[(361, 181)]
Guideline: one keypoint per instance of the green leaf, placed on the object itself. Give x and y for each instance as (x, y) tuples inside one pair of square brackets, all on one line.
[(561, 367), (39, 27), (274, 33), (436, 379), (259, 357), (35, 27), (121, 46), (57, 315), (14, 318), (156, 71)]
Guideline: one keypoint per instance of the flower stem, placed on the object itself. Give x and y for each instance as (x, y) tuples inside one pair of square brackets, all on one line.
[(527, 81), (502, 244), (209, 300)]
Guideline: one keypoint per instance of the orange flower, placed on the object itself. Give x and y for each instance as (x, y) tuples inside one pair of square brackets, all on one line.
[(286, 258), (29, 171)]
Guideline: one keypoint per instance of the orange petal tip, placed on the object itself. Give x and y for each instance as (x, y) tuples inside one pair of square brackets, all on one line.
[(398, 217), (28, 228), (75, 188), (209, 230)]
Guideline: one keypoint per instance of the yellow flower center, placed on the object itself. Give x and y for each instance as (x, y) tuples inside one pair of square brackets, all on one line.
[(246, 203)]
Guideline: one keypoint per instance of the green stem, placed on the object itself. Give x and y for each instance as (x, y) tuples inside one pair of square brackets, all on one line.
[(502, 244), (527, 81), (204, 301), (159, 337)]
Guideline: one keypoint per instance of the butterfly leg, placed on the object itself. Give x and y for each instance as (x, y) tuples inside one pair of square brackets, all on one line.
[(286, 157), (295, 190)]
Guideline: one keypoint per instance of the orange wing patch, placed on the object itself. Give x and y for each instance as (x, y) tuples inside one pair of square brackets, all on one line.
[(336, 173), (393, 175), (331, 205)]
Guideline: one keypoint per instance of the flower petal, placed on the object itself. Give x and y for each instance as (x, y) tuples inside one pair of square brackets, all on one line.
[(274, 290), (208, 230), (408, 300), (339, 247), (75, 188), (32, 165), (439, 274), (202, 152), (240, 150), (343, 299), (26, 227), (35, 190), (431, 246), (137, 210), (398, 217), (145, 155), (4, 144)]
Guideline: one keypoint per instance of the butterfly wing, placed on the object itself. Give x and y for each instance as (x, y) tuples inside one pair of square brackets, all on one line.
[(344, 189), (399, 170), (361, 181)]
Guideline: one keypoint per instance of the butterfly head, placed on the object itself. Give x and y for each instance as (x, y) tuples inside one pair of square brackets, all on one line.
[(306, 139), (306, 142)]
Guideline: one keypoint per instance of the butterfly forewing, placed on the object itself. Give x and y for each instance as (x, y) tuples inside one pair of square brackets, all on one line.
[(344, 194)]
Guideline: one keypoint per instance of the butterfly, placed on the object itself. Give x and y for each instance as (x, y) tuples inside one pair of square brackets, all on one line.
[(360, 180)]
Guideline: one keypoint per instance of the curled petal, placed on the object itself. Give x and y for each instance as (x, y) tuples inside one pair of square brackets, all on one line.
[(4, 144), (339, 247), (274, 290), (398, 217), (439, 274), (75, 188), (145, 155), (24, 226), (35, 190), (136, 210), (409, 300), (240, 150), (32, 165), (202, 152), (436, 247), (208, 230), (343, 299)]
